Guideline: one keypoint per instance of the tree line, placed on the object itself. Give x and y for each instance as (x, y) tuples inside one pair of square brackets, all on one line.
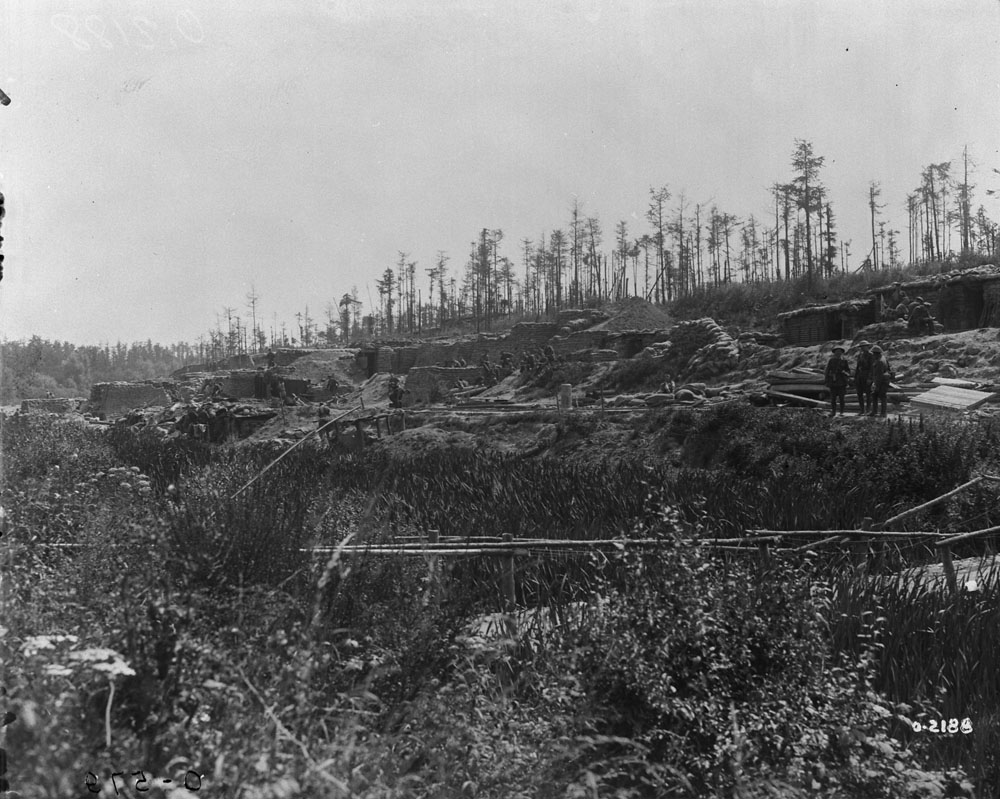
[(683, 247), (37, 367)]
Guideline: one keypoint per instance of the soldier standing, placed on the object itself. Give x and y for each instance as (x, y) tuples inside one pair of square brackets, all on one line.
[(881, 376), (863, 377), (836, 377)]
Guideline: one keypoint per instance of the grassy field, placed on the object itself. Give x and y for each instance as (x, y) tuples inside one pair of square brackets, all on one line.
[(185, 634)]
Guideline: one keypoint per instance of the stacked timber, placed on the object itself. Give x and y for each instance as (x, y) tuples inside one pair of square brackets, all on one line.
[(950, 398), (801, 386)]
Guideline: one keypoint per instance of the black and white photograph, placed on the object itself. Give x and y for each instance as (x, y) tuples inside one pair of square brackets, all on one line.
[(500, 399)]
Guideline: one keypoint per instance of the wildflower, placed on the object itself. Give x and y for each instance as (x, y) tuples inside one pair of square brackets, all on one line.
[(115, 667), (35, 643)]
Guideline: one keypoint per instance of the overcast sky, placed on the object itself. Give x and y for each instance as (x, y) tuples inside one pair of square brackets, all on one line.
[(159, 157)]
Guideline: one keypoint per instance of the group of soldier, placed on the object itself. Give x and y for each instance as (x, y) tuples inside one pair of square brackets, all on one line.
[(916, 313), (872, 375)]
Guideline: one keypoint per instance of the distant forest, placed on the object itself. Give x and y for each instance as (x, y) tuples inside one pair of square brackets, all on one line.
[(687, 251), (36, 367)]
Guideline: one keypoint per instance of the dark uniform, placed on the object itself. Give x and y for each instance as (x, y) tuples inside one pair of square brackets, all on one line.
[(838, 372), (881, 376), (920, 319), (863, 377)]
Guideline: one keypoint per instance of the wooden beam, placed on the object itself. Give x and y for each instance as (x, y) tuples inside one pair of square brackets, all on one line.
[(831, 540), (931, 503), (868, 533), (795, 398), (946, 542)]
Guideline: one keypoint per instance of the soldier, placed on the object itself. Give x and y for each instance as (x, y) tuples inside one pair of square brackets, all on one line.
[(489, 373), (836, 377), (271, 359), (322, 420), (863, 377), (528, 363), (396, 392), (920, 318), (897, 296), (881, 376)]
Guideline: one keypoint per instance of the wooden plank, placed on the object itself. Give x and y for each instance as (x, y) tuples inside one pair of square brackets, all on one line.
[(821, 533), (794, 377), (967, 536), (796, 398), (954, 381), (950, 398), (805, 389)]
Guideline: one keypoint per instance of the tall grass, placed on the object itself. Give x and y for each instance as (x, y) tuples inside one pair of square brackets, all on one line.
[(934, 653)]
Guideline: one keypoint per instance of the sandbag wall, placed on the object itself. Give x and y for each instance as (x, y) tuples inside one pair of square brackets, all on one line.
[(700, 348), (116, 399), (49, 405)]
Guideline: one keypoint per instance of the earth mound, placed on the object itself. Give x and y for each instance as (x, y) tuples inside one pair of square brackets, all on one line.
[(421, 440), (634, 314), (320, 364)]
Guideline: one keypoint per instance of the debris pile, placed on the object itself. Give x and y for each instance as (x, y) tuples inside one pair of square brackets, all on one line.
[(213, 422)]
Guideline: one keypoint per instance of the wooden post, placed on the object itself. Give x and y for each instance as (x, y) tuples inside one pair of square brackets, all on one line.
[(507, 561), (763, 546), (433, 595), (859, 545), (949, 569), (403, 416), (361, 435)]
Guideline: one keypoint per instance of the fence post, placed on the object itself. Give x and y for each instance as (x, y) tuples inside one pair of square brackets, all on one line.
[(949, 568), (507, 577), (433, 571), (361, 435), (859, 545)]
